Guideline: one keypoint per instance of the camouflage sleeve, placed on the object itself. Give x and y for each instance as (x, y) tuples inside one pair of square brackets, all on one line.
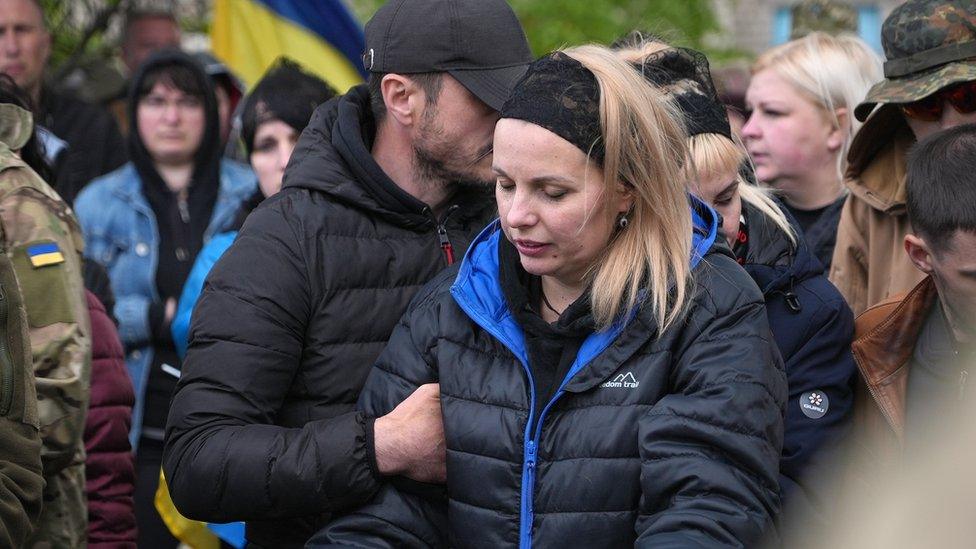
[(43, 242), (21, 482)]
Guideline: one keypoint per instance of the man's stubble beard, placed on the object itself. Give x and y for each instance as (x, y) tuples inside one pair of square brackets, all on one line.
[(431, 164)]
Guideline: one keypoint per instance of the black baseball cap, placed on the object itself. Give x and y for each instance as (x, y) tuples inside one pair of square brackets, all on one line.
[(479, 42)]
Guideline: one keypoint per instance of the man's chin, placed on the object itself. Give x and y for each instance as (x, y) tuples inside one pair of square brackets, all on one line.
[(473, 183)]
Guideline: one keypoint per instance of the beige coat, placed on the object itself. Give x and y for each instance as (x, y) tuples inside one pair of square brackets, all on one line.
[(870, 263)]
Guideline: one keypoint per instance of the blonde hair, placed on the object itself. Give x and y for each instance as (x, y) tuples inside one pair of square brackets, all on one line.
[(644, 142), (710, 153), (833, 72)]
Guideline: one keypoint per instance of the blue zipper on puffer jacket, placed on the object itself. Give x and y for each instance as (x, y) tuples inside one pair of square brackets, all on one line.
[(502, 330), (478, 293), (496, 320)]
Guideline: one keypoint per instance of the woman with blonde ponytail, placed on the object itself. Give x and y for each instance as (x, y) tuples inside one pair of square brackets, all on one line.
[(605, 370), (810, 322)]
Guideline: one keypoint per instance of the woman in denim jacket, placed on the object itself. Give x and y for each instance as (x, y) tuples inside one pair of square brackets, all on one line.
[(145, 223)]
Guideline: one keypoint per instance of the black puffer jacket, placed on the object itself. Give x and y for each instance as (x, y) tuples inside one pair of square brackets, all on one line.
[(661, 440), (290, 321)]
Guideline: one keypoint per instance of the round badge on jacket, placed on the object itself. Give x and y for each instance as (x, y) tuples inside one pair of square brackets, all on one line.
[(814, 404)]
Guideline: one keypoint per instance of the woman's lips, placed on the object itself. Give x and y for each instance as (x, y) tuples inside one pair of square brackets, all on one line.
[(530, 247)]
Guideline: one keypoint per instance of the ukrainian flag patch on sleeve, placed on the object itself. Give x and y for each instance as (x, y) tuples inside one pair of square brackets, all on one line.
[(44, 253)]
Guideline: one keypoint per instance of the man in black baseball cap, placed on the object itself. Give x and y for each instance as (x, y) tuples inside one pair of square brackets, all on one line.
[(464, 57), (386, 187), (480, 44)]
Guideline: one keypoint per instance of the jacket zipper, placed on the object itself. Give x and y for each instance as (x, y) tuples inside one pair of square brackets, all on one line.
[(876, 396), (6, 362), (445, 244), (530, 453), (442, 235), (528, 486), (183, 206)]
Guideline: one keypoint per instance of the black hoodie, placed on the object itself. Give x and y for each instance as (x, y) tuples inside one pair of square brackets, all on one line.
[(289, 325), (181, 226)]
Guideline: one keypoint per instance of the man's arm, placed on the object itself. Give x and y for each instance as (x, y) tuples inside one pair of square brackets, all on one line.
[(21, 483), (401, 390), (246, 346), (48, 264)]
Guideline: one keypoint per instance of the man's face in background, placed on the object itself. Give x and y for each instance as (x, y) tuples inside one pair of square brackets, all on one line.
[(25, 44)]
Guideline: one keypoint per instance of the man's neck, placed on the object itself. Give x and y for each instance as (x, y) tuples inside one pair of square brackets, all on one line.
[(957, 328), (395, 156)]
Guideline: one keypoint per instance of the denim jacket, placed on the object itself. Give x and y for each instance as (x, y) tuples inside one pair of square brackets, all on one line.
[(121, 233)]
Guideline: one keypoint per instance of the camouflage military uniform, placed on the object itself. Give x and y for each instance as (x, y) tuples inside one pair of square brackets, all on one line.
[(21, 482), (43, 241)]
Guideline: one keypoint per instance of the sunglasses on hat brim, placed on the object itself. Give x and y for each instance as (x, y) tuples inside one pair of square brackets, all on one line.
[(961, 96)]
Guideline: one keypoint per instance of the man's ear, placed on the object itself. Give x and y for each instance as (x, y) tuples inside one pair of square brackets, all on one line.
[(401, 97), (919, 252), (839, 134)]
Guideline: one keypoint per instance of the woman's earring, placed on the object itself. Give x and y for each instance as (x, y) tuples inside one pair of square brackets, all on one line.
[(623, 221)]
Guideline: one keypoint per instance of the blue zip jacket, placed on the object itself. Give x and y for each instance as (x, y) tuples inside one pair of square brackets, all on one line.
[(121, 234), (813, 328), (666, 439)]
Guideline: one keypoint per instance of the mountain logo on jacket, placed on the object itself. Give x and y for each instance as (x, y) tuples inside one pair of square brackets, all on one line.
[(627, 381), (814, 404)]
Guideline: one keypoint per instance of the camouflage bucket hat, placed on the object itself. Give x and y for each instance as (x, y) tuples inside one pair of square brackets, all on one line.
[(928, 44)]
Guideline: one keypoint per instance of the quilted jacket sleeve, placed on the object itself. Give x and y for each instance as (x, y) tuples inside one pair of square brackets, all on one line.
[(109, 463), (403, 514), (710, 449), (221, 430)]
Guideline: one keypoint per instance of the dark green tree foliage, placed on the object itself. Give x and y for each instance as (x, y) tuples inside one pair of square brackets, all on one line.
[(78, 28), (551, 24)]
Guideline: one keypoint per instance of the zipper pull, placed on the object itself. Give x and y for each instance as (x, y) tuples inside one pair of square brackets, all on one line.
[(446, 246), (183, 207), (531, 451), (963, 376)]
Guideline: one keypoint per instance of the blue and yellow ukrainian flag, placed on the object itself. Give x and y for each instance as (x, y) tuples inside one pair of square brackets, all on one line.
[(43, 254), (321, 35)]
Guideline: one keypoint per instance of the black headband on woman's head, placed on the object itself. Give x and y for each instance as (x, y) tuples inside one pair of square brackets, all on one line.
[(561, 95), (683, 74)]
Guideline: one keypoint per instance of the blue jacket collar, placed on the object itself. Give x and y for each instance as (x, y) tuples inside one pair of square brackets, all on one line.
[(478, 292), (237, 182)]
